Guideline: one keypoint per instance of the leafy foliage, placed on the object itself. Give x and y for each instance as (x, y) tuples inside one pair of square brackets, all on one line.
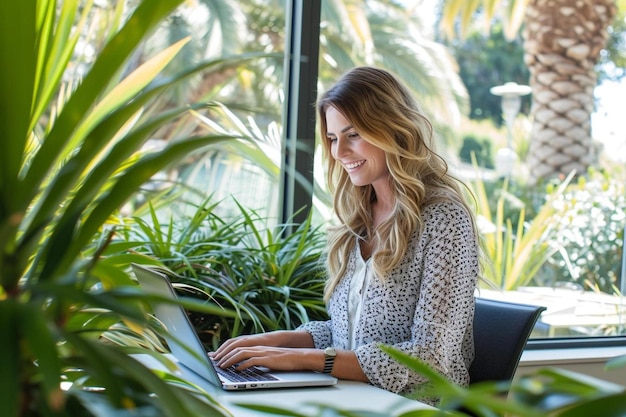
[(272, 279), (572, 236), (515, 252), (68, 160), (485, 61), (548, 392), (591, 232), (479, 148), (612, 63)]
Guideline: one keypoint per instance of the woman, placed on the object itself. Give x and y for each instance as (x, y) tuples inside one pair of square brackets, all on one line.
[(403, 260)]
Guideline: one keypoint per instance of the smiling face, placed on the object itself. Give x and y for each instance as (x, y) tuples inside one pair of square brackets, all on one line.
[(364, 162)]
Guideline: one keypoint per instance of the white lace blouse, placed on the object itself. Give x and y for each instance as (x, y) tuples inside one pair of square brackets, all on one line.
[(425, 308)]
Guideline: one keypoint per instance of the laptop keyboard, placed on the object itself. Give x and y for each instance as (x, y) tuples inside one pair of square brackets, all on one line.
[(250, 374)]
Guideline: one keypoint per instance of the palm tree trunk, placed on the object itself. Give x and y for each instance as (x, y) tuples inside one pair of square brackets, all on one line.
[(563, 40)]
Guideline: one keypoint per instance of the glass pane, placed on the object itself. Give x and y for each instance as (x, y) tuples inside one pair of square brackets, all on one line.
[(568, 257), (558, 244)]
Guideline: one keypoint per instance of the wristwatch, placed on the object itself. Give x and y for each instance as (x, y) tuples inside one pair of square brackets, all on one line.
[(329, 359)]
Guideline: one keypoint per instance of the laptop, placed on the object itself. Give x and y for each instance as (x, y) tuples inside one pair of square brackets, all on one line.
[(187, 348)]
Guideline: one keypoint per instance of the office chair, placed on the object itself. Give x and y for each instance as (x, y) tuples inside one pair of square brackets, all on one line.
[(501, 330)]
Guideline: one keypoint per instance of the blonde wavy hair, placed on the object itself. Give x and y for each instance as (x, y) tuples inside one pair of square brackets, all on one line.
[(383, 112)]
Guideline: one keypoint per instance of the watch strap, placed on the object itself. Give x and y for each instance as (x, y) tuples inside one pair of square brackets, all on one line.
[(329, 362)]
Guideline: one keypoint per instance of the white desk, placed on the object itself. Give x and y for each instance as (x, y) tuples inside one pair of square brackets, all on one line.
[(346, 395)]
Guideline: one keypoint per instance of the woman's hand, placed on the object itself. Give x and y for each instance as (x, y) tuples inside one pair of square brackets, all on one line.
[(276, 358), (261, 339), (246, 347)]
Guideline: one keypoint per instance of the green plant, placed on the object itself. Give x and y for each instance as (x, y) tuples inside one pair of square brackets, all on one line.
[(515, 253), (273, 279), (480, 148), (68, 161), (591, 230), (547, 392)]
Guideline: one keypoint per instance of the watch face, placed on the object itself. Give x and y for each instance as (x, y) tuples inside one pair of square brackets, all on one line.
[(330, 351)]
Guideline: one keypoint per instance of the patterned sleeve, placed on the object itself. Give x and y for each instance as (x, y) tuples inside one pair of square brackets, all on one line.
[(441, 333), (320, 331)]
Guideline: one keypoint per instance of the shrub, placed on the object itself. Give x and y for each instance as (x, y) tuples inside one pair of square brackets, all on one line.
[(481, 148), (591, 231), (273, 279)]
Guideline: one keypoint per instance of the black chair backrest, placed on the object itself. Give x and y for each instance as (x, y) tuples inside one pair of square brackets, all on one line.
[(501, 330)]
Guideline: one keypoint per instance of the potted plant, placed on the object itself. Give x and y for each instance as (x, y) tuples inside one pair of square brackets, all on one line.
[(68, 161), (273, 279)]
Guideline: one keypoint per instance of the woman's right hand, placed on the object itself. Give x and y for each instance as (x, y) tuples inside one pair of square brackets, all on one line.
[(280, 338), (261, 339)]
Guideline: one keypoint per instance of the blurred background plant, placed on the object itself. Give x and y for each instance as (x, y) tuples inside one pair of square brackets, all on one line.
[(572, 236), (478, 148), (591, 232), (516, 247)]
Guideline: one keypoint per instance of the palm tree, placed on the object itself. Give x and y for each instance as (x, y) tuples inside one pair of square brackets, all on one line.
[(562, 44)]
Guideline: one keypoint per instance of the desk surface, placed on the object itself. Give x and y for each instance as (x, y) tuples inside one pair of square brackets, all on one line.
[(346, 395)]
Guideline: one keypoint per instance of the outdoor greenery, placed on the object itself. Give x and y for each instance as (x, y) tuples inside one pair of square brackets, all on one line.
[(547, 29), (478, 148), (591, 224), (612, 65), (515, 247), (572, 233), (485, 61)]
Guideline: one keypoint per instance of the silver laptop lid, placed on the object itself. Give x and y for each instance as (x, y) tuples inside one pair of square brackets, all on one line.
[(186, 346)]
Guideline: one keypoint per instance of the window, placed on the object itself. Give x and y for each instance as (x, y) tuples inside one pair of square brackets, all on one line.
[(568, 254)]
